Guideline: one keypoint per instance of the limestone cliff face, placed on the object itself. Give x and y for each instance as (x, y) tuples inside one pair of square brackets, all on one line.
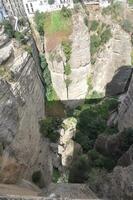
[(125, 114), (115, 54), (21, 107), (79, 62)]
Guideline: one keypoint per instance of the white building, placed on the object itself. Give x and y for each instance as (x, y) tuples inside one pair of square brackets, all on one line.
[(31, 6), (101, 3)]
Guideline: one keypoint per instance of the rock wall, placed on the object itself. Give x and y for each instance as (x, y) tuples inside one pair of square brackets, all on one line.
[(79, 62), (125, 113), (21, 108), (115, 54)]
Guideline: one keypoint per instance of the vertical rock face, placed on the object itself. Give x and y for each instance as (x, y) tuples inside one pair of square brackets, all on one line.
[(21, 108), (117, 53), (79, 62), (80, 58), (125, 113)]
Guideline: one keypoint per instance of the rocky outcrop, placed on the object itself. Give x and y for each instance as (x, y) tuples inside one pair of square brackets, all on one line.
[(116, 53), (79, 62), (21, 107), (120, 82), (67, 148), (125, 113)]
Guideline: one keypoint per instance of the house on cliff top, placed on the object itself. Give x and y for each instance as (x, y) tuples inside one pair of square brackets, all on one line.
[(31, 6)]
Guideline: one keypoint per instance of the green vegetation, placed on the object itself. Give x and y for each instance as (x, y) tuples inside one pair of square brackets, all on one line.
[(94, 25), (79, 170), (20, 37), (127, 26), (36, 177), (101, 35), (67, 49), (130, 2), (39, 19), (68, 82), (50, 92), (56, 175), (58, 21), (28, 49), (66, 13), (49, 128), (51, 2), (92, 121), (67, 69), (115, 10), (127, 139), (97, 160), (86, 21), (8, 29), (4, 72)]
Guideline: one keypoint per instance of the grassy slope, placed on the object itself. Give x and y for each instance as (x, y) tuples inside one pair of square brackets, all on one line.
[(57, 28)]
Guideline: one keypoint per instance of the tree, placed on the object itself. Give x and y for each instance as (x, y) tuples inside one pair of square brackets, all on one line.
[(79, 170), (51, 2), (39, 20), (127, 26), (8, 29)]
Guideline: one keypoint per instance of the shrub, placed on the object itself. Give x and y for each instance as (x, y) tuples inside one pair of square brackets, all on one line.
[(86, 21), (67, 49), (94, 25), (56, 175), (127, 139), (92, 121), (51, 2), (49, 128), (36, 176), (50, 92), (28, 49), (106, 35), (98, 160), (68, 82), (127, 26), (94, 44), (79, 170), (8, 29), (67, 69), (39, 20), (66, 12), (20, 37)]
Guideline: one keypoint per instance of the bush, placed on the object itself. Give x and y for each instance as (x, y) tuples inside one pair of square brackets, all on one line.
[(8, 29), (97, 160), (106, 35), (39, 20), (92, 121), (56, 175), (79, 170), (50, 2), (67, 69), (94, 25), (86, 21), (67, 49), (127, 26), (28, 49), (36, 177), (127, 139), (68, 82), (66, 12), (50, 92), (49, 128), (94, 44), (20, 37)]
